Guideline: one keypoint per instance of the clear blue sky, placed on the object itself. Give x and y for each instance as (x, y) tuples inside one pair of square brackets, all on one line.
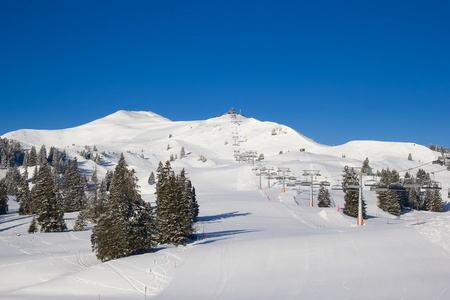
[(334, 70)]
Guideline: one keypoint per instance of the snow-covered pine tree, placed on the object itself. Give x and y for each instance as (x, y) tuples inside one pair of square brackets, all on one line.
[(413, 196), (351, 198), (33, 228), (80, 222), (48, 202), (126, 227), (389, 201), (182, 152), (185, 202), (12, 179), (151, 179), (433, 200), (23, 194), (73, 188), (32, 161), (3, 198), (366, 169), (323, 198), (42, 155), (410, 156)]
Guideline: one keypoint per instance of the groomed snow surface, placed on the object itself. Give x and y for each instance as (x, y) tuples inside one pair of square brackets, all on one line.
[(250, 243)]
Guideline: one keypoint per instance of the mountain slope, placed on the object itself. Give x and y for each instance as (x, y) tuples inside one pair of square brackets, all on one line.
[(251, 242)]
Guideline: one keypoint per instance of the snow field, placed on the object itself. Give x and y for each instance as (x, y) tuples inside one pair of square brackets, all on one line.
[(251, 243)]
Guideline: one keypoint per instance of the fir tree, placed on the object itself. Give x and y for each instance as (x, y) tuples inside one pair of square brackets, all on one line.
[(32, 161), (42, 156), (12, 179), (3, 198), (23, 194), (433, 200), (323, 198), (390, 201), (80, 222), (182, 152), (413, 197), (351, 197), (33, 228), (48, 202), (151, 179), (175, 206), (410, 157), (126, 227), (366, 169), (73, 188)]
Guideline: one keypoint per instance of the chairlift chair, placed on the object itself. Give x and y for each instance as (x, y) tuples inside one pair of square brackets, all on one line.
[(432, 185), (411, 183)]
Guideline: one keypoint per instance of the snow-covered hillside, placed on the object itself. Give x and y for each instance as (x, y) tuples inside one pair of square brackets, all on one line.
[(251, 242)]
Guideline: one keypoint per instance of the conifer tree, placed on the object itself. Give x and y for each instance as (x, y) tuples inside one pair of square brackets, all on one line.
[(42, 156), (127, 226), (33, 228), (151, 179), (32, 161), (433, 200), (413, 196), (3, 198), (182, 152), (351, 197), (12, 179), (365, 167), (80, 222), (48, 202), (323, 198), (389, 201), (23, 194), (176, 207), (73, 188)]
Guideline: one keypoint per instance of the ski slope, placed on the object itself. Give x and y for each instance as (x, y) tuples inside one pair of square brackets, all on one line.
[(251, 242)]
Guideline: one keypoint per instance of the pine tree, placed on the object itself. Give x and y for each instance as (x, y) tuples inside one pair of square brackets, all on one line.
[(366, 169), (12, 179), (151, 179), (126, 227), (48, 202), (73, 188), (33, 161), (323, 198), (23, 194), (410, 157), (33, 228), (182, 152), (80, 222), (413, 196), (176, 207), (42, 156), (433, 200), (351, 197), (3, 198), (390, 201)]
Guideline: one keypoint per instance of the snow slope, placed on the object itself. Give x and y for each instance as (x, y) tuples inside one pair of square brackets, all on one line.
[(251, 242)]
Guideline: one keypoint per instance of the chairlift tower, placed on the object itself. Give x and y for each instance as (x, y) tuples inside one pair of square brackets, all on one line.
[(311, 173), (284, 171)]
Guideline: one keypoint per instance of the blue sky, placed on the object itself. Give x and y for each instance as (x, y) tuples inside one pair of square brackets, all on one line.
[(335, 71)]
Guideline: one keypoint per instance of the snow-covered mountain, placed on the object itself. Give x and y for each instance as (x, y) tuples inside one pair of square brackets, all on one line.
[(252, 242)]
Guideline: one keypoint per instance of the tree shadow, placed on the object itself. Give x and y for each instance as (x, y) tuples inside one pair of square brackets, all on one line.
[(222, 216), (211, 237)]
